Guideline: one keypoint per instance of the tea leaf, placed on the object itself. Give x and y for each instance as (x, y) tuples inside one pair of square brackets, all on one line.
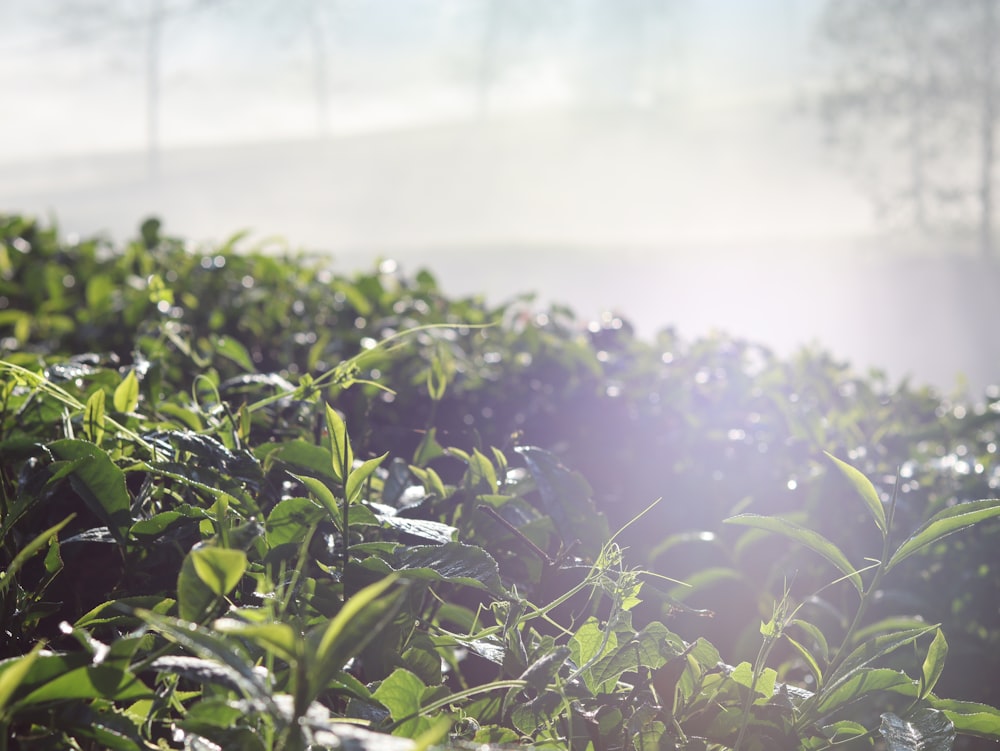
[(93, 417), (291, 520), (207, 645), (874, 648), (99, 482), (970, 718), (812, 540), (811, 661), (400, 693), (15, 672), (944, 523), (194, 597), (29, 550), (325, 496), (277, 638), (232, 349), (304, 456), (126, 396), (89, 682), (357, 478), (865, 489), (221, 569), (359, 621), (933, 664), (340, 444), (858, 684)]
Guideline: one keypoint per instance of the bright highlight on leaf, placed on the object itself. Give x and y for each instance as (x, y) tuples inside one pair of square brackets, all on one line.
[(126, 396), (340, 444), (93, 417), (220, 569), (944, 523), (865, 489), (812, 540)]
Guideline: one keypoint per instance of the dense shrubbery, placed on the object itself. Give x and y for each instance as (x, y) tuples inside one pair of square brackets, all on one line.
[(169, 458)]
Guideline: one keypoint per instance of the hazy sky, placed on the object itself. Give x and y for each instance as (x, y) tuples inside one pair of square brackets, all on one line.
[(72, 72), (654, 156)]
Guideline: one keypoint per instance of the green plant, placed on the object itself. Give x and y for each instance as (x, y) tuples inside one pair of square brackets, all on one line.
[(332, 523)]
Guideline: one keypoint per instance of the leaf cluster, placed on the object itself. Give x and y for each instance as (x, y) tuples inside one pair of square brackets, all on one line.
[(247, 503)]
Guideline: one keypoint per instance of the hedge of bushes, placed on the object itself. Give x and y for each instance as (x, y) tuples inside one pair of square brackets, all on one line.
[(455, 389)]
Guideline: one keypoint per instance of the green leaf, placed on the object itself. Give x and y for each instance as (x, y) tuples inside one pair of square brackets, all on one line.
[(159, 523), (358, 477), (93, 417), (452, 562), (812, 540), (857, 685), (567, 498), (305, 457), (29, 550), (325, 496), (14, 673), (422, 528), (279, 639), (743, 675), (209, 646), (400, 693), (126, 396), (480, 476), (437, 381), (232, 349), (810, 659), (933, 664), (844, 730), (542, 671), (340, 444), (873, 649), (89, 682), (194, 597), (359, 621), (100, 484), (650, 648), (925, 730), (970, 718), (220, 568), (291, 520), (120, 612), (944, 523), (428, 449), (865, 489), (53, 559)]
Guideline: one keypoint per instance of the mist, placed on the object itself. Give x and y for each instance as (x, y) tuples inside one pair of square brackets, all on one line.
[(672, 161)]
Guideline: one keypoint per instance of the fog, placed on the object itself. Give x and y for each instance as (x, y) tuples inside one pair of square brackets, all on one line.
[(668, 160)]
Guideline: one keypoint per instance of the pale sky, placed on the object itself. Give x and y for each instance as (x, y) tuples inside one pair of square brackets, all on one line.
[(74, 83), (670, 169)]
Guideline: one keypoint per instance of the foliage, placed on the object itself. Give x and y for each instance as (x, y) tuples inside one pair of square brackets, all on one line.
[(247, 503), (912, 92)]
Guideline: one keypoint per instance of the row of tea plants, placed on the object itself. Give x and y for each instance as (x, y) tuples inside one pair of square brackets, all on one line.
[(248, 503)]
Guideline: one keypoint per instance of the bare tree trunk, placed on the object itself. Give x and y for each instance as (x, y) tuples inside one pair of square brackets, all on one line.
[(154, 33), (488, 57), (918, 179), (987, 132), (320, 61)]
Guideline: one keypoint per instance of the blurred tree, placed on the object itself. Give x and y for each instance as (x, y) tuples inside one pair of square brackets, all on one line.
[(913, 96), (630, 47), (305, 27), (94, 22), (514, 36)]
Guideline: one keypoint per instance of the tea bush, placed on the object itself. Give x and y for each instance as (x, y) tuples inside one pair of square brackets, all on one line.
[(248, 502)]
